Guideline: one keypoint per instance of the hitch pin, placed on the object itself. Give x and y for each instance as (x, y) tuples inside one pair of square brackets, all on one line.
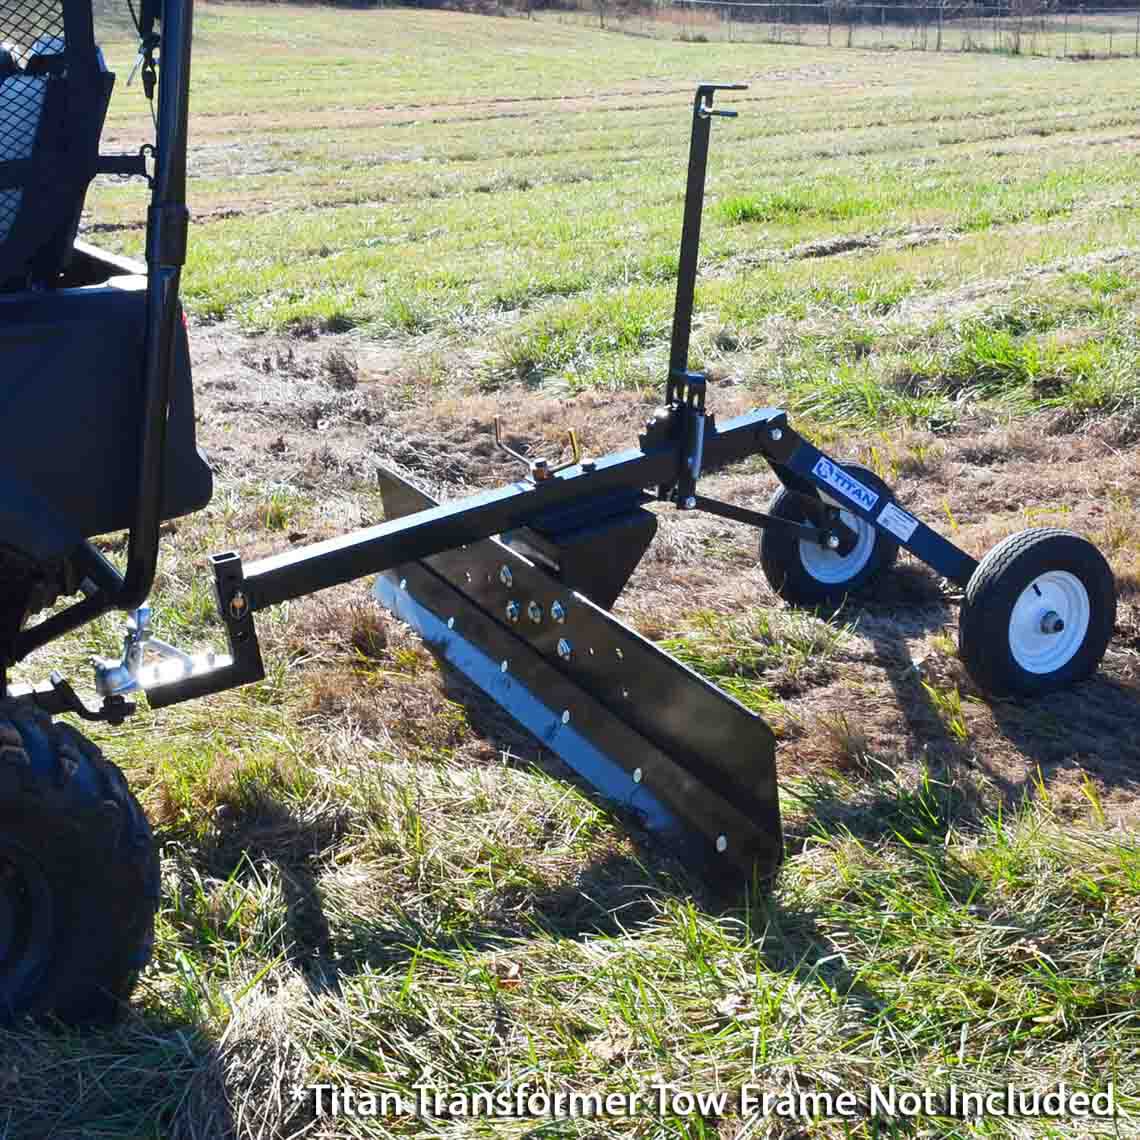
[(706, 112), (539, 469)]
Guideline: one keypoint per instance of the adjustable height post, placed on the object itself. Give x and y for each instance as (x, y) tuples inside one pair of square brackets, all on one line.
[(691, 233), (685, 391)]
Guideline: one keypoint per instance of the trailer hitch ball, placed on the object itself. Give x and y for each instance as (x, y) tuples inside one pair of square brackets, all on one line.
[(239, 605)]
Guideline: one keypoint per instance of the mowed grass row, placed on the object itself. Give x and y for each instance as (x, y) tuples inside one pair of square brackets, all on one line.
[(403, 174)]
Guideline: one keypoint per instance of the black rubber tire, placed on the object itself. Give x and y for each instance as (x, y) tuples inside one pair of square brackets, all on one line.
[(79, 875), (995, 586), (784, 568)]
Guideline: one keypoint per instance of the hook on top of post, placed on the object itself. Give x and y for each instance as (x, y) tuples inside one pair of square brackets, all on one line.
[(706, 92)]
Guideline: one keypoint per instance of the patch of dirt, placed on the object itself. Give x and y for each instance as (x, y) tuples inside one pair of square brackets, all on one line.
[(321, 414)]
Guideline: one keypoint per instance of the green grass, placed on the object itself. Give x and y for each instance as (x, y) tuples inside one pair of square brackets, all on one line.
[(367, 878), (357, 191), (913, 945)]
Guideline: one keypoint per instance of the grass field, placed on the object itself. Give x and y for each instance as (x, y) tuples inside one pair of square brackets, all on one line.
[(409, 222)]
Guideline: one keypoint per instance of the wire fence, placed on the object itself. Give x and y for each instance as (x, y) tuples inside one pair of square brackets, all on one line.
[(1080, 34)]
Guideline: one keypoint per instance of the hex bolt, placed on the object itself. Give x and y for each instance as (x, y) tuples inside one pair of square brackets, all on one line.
[(833, 542), (403, 583), (503, 667), (775, 435), (565, 716), (1052, 622), (505, 575), (722, 844), (451, 623), (558, 612), (637, 775), (564, 649), (513, 611), (534, 612)]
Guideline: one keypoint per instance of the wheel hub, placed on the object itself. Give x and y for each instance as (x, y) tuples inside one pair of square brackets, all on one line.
[(1049, 622), (823, 561)]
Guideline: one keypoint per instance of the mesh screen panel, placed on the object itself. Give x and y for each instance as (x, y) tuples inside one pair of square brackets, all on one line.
[(28, 25), (30, 32), (21, 104)]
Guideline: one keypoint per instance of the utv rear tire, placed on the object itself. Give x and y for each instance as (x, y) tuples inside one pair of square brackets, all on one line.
[(79, 875)]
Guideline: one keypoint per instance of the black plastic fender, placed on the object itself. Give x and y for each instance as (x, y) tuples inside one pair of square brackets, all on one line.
[(30, 526)]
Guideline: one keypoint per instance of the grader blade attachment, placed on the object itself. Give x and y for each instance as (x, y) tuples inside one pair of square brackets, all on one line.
[(643, 730)]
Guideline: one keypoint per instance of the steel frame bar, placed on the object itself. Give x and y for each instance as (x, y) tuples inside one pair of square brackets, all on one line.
[(450, 525), (444, 527)]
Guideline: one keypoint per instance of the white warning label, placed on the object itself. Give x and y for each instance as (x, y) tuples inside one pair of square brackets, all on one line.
[(898, 522)]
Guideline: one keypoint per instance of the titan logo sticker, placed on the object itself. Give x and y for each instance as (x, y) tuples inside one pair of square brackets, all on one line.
[(849, 488)]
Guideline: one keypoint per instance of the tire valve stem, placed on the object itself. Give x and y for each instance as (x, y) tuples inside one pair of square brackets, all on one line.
[(1052, 622)]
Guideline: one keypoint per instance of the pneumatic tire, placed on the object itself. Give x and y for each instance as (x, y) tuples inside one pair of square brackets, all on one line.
[(79, 875), (804, 573), (1038, 614)]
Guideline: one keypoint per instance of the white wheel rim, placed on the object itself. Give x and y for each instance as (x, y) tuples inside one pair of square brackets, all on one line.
[(832, 568), (1036, 642)]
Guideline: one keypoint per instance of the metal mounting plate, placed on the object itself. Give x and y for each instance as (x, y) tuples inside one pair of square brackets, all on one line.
[(639, 726)]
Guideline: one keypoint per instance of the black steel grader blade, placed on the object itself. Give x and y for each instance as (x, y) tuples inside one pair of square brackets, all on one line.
[(643, 730)]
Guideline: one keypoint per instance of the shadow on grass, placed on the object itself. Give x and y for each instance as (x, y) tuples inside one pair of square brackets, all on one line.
[(267, 831), (1093, 727), (607, 893), (143, 1077), (1090, 727)]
